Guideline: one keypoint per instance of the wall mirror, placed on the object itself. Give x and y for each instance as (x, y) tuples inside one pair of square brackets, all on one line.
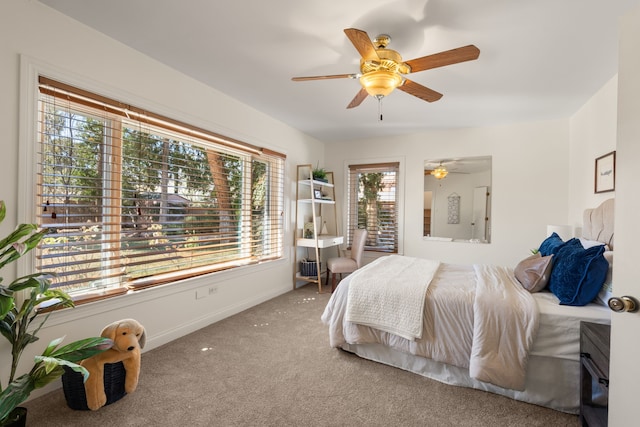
[(457, 199)]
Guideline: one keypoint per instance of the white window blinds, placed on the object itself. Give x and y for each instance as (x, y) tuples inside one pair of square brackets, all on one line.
[(133, 199), (372, 202)]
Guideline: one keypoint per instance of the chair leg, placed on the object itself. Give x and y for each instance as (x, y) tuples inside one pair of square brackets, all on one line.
[(333, 282), (326, 281)]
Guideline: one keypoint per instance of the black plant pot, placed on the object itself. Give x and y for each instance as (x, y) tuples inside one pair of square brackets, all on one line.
[(17, 418)]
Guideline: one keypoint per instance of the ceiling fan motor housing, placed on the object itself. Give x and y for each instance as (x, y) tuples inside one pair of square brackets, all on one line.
[(389, 60)]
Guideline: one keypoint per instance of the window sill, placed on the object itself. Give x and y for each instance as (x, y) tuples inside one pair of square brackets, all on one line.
[(86, 308)]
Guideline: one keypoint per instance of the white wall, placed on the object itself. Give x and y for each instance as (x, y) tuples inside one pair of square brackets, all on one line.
[(55, 43), (593, 134), (542, 172), (529, 184)]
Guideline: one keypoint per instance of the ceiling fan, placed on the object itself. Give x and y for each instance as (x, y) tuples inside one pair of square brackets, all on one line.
[(440, 172), (382, 70), (465, 165)]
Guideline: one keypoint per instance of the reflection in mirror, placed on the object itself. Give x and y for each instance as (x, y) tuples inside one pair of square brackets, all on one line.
[(457, 201)]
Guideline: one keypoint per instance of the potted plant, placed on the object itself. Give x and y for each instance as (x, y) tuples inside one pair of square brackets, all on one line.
[(319, 174), (21, 318)]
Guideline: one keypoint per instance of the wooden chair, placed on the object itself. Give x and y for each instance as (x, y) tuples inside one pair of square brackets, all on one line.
[(341, 265)]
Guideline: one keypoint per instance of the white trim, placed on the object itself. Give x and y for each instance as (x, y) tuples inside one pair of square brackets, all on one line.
[(134, 298), (30, 70), (400, 190)]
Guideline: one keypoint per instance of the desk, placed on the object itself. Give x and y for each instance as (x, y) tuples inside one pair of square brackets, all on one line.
[(324, 241)]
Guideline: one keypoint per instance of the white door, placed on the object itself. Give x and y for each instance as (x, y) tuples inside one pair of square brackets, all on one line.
[(479, 222), (625, 332)]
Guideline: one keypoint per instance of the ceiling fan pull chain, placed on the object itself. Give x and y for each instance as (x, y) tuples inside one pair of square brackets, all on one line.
[(379, 107)]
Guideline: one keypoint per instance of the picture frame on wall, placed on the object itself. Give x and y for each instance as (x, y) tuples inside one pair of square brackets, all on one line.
[(605, 173)]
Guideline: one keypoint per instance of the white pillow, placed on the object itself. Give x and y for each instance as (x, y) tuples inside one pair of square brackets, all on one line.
[(586, 244)]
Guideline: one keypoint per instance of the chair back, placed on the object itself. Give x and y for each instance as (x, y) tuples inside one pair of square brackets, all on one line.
[(357, 246)]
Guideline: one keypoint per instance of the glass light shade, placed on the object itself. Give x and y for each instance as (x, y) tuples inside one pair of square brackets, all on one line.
[(439, 172), (380, 83)]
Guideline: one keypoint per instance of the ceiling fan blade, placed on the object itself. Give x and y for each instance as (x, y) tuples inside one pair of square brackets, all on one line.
[(453, 56), (333, 76), (419, 91), (357, 100), (362, 43)]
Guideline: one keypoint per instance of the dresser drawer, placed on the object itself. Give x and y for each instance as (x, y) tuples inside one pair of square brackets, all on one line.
[(594, 374), (594, 345)]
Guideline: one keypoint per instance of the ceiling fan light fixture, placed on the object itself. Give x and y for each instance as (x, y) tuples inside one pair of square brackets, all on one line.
[(440, 172), (380, 83)]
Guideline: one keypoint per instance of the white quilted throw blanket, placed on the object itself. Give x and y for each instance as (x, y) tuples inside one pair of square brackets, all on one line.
[(389, 293)]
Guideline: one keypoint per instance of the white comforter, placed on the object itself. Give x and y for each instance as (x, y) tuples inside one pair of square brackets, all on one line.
[(478, 318)]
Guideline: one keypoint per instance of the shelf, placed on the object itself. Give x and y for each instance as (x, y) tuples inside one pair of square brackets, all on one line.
[(320, 183), (324, 241), (310, 279), (315, 201), (331, 202)]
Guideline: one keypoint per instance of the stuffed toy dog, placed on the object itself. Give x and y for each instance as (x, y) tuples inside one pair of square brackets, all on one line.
[(128, 338)]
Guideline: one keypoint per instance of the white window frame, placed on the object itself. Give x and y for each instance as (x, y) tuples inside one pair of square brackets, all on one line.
[(400, 208), (31, 69)]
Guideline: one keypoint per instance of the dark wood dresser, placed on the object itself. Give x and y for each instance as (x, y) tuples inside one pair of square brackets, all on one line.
[(594, 373)]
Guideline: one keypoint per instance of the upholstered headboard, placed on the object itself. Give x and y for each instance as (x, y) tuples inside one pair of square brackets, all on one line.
[(597, 223)]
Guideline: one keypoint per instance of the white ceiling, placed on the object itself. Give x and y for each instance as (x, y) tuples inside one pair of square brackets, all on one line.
[(539, 60)]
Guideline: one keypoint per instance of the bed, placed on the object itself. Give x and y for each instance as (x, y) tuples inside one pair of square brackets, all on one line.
[(484, 327)]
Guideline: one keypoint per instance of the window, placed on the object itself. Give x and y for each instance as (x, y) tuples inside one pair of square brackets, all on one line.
[(133, 199), (373, 204)]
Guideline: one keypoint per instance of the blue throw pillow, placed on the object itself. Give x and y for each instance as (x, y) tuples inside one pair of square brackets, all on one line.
[(578, 273), (550, 245)]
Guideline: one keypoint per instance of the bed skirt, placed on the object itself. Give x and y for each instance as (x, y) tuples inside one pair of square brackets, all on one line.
[(542, 371)]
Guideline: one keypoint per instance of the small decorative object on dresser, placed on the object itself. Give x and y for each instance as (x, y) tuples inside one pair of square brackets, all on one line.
[(594, 373)]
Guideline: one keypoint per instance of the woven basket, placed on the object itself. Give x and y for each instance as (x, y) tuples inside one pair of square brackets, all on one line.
[(309, 268), (73, 386)]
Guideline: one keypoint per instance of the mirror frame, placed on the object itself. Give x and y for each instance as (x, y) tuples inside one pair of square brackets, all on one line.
[(453, 215)]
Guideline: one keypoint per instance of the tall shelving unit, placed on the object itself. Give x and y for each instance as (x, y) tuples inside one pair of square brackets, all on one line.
[(314, 200)]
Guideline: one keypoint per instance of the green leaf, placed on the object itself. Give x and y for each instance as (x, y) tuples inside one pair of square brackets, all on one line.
[(6, 303), (21, 231), (82, 349), (64, 300), (46, 371), (3, 210), (52, 346), (16, 392), (36, 280)]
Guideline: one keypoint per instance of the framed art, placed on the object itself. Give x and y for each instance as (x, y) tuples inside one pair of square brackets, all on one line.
[(605, 179), (317, 194)]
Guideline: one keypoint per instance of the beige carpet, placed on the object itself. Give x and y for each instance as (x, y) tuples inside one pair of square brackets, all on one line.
[(272, 366)]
